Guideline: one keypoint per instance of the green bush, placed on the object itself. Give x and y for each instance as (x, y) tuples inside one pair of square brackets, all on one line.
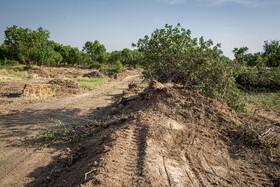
[(171, 54), (260, 79), (117, 68), (6, 63)]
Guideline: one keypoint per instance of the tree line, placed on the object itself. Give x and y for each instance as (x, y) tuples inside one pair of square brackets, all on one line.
[(270, 56), (169, 54), (34, 47)]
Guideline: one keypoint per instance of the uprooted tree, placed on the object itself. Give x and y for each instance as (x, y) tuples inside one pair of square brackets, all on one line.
[(171, 54)]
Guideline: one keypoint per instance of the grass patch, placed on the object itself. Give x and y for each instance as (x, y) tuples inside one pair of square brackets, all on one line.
[(20, 75), (265, 100), (62, 133), (16, 71), (17, 75), (58, 134), (91, 82)]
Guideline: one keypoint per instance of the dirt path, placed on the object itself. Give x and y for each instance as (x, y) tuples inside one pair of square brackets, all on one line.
[(17, 161)]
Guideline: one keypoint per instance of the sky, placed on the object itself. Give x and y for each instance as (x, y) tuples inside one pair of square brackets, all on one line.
[(119, 23)]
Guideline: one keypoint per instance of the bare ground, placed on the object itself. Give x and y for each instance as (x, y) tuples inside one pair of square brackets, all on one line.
[(168, 137), (23, 118)]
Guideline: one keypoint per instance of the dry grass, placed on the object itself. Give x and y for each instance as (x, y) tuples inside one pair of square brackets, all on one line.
[(39, 91), (16, 75)]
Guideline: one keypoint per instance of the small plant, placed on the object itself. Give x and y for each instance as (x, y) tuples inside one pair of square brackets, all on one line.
[(60, 133)]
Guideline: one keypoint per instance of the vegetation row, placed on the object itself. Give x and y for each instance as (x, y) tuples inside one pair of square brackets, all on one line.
[(169, 54)]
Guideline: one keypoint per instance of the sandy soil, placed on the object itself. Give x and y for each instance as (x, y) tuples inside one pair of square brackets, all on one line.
[(18, 161), (166, 137)]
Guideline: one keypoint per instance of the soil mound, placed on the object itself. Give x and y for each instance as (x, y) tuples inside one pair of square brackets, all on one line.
[(166, 136), (11, 89), (56, 87), (94, 74), (39, 91), (41, 72), (65, 83), (65, 86)]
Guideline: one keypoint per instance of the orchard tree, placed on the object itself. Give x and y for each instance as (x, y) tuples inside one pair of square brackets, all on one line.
[(171, 54), (115, 56), (239, 53), (29, 46), (272, 53), (96, 50), (3, 52)]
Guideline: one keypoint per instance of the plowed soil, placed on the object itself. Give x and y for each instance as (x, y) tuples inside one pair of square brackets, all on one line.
[(21, 164), (166, 137)]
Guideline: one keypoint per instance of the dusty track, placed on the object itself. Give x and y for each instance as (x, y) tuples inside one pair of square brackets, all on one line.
[(17, 161)]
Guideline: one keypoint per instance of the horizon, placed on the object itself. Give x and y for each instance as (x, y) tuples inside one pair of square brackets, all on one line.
[(118, 24)]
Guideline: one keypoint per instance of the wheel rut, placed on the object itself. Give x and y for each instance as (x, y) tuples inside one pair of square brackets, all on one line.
[(125, 162)]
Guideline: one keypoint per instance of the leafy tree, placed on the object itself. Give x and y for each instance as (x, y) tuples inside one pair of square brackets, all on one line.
[(29, 46), (96, 50), (251, 59), (171, 54), (126, 56), (115, 56), (240, 53), (3, 52), (272, 53)]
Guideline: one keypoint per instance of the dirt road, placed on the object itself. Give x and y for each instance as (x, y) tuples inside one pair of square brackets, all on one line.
[(17, 161), (167, 137)]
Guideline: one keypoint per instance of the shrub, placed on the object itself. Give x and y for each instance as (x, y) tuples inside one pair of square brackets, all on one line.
[(171, 54), (116, 68), (260, 79)]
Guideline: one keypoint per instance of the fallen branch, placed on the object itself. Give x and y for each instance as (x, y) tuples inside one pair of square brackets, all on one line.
[(135, 97), (273, 81)]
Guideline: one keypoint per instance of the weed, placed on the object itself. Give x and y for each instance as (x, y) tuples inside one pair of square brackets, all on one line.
[(62, 133)]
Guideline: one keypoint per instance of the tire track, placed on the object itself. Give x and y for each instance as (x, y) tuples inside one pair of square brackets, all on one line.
[(32, 117), (129, 148), (253, 177)]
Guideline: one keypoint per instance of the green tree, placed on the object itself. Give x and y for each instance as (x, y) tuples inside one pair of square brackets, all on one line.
[(272, 53), (171, 54), (29, 46), (3, 52), (96, 50), (115, 56), (240, 53)]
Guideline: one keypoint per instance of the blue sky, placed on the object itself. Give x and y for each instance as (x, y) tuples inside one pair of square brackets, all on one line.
[(118, 23)]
